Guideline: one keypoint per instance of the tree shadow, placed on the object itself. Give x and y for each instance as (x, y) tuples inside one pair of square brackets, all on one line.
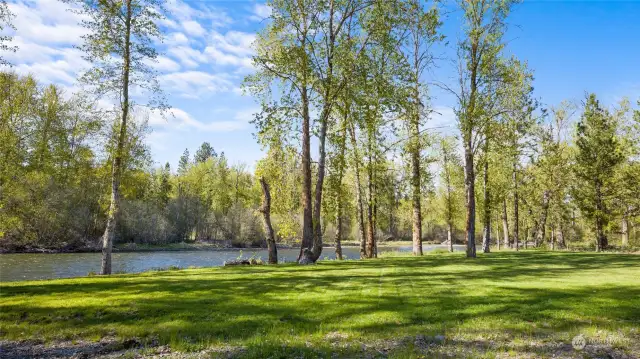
[(262, 308)]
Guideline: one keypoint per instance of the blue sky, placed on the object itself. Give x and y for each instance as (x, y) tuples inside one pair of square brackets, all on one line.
[(573, 47)]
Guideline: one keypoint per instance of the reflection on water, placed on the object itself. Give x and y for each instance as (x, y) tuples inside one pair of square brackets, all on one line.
[(29, 266)]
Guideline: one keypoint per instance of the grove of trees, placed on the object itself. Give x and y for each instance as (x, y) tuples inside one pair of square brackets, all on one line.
[(354, 78)]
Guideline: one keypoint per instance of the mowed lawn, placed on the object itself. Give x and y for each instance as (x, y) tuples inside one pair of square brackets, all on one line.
[(507, 304)]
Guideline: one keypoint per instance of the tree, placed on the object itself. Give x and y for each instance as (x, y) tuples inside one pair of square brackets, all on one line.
[(204, 152), (266, 215), (119, 46), (164, 188), (301, 49), (517, 122), (421, 33), (597, 159), (5, 22), (478, 53), (183, 163), (450, 164), (627, 201)]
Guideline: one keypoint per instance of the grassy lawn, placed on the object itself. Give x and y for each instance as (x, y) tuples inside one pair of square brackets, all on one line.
[(507, 304)]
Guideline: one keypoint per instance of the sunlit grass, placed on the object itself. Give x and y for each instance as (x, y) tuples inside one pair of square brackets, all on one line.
[(500, 302)]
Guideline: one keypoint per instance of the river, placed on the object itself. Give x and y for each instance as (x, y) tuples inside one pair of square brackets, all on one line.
[(31, 266)]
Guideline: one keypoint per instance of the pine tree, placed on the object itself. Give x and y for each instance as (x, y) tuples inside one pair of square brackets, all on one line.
[(183, 164), (598, 155), (204, 153)]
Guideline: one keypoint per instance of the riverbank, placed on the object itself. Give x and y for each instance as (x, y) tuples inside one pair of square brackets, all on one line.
[(187, 246), (526, 305)]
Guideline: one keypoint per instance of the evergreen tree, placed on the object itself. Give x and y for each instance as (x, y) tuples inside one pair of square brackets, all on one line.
[(597, 158), (204, 153), (183, 164)]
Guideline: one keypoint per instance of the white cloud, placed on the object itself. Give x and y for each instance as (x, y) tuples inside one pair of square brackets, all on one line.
[(260, 12), (178, 119), (442, 118), (164, 64), (176, 39), (233, 48), (194, 84), (189, 56), (47, 22), (193, 28), (208, 15)]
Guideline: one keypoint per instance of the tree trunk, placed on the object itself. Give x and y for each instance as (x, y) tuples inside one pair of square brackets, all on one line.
[(370, 205), (415, 179), (505, 224), (546, 195), (516, 238), (526, 233), (553, 237), (498, 232), (317, 206), (486, 232), (601, 240), (266, 220), (339, 234), (469, 181), (625, 229), (361, 228), (307, 219), (114, 206), (343, 146), (449, 236)]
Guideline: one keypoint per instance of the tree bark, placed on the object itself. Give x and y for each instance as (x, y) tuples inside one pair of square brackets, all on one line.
[(317, 206), (625, 229), (450, 236), (498, 232), (486, 231), (561, 235), (415, 177), (505, 224), (546, 195), (343, 139), (370, 205), (601, 240), (516, 239), (266, 220), (526, 233), (339, 235), (114, 206), (307, 219), (469, 181), (361, 228)]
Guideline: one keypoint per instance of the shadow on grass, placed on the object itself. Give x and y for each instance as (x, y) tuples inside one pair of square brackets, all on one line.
[(273, 309)]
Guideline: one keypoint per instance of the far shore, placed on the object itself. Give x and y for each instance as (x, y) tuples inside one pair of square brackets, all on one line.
[(190, 246)]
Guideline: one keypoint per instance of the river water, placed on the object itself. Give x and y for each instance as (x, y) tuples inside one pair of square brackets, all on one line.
[(31, 266)]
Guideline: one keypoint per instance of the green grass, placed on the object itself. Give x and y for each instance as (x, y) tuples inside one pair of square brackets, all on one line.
[(522, 304)]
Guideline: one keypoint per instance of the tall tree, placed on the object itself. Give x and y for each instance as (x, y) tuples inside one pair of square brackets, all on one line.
[(597, 159), (421, 32), (450, 167), (302, 48), (119, 45), (478, 52), (183, 163), (204, 153)]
